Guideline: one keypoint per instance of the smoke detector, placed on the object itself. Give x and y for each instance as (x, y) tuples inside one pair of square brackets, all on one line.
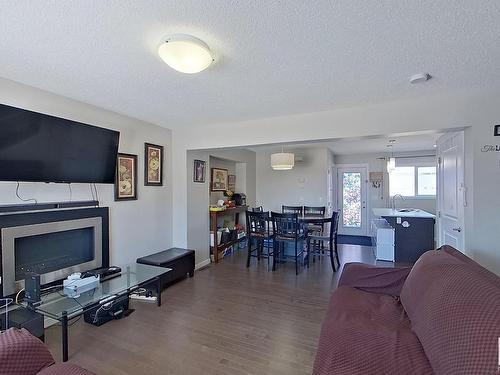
[(419, 78)]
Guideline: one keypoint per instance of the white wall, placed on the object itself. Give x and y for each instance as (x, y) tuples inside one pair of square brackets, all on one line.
[(137, 227), (304, 185), (477, 110), (198, 195)]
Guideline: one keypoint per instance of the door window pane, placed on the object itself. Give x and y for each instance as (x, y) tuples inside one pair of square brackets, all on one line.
[(402, 181), (351, 199), (426, 180)]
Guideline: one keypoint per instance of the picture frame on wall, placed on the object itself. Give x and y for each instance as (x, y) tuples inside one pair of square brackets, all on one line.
[(153, 165), (199, 171), (231, 182), (126, 177), (219, 179)]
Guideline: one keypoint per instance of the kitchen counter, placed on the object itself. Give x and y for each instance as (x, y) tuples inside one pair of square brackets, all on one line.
[(413, 234), (389, 212)]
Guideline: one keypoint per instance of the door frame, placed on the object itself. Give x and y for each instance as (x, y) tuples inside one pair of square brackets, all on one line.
[(462, 189), (366, 229)]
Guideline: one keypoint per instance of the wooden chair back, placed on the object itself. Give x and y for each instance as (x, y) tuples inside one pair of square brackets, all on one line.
[(310, 210), (285, 225), (257, 224), (292, 210)]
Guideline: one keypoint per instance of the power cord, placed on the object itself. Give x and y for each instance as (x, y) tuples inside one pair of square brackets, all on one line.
[(92, 192), (22, 199), (96, 194), (17, 296), (104, 308)]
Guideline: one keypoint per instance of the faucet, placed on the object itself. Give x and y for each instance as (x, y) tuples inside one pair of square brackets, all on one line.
[(394, 200)]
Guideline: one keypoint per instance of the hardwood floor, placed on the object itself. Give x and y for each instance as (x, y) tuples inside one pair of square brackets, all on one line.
[(226, 320)]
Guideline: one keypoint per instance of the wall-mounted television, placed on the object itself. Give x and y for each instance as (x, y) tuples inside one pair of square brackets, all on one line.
[(39, 147)]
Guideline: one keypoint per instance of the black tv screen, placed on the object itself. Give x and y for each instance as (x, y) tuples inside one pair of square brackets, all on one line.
[(38, 147)]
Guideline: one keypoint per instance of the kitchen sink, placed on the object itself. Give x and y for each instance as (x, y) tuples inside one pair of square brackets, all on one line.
[(407, 210)]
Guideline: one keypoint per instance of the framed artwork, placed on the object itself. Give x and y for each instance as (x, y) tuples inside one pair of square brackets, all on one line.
[(199, 171), (219, 179), (231, 182), (126, 177), (153, 165)]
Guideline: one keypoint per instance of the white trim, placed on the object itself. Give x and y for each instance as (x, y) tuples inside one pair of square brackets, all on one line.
[(202, 264)]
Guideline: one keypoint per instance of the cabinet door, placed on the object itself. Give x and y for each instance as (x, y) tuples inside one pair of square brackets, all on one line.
[(412, 237)]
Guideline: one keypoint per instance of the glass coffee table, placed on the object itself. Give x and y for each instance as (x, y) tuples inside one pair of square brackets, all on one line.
[(62, 308)]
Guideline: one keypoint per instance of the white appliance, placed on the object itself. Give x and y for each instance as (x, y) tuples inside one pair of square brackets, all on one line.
[(383, 239)]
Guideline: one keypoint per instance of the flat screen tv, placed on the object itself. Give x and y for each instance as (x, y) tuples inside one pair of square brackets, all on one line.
[(38, 147)]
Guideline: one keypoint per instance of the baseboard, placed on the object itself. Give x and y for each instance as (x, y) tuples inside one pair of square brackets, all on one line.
[(205, 263)]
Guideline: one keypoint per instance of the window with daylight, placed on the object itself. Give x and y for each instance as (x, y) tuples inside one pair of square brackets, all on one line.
[(413, 181)]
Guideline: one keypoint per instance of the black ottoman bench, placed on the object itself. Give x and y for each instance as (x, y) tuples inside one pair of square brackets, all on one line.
[(181, 261)]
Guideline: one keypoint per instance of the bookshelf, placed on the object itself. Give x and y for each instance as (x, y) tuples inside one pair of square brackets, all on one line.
[(214, 216)]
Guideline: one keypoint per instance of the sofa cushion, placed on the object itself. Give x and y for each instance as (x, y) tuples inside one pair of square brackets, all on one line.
[(21, 353), (368, 333), (454, 308), (64, 369)]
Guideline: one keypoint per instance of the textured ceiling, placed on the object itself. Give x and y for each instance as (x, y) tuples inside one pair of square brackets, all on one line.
[(273, 57), (367, 145)]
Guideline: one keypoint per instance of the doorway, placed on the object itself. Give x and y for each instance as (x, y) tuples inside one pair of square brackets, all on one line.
[(352, 200)]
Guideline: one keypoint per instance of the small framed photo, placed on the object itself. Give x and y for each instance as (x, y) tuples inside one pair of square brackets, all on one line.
[(199, 171), (126, 177), (231, 182), (219, 179), (153, 165), (496, 131)]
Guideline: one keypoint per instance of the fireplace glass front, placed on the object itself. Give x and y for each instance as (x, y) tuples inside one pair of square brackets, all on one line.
[(53, 250)]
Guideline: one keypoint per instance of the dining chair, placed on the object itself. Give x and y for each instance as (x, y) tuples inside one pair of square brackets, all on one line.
[(292, 210), (286, 229), (258, 230), (331, 239), (319, 227), (257, 209), (312, 210)]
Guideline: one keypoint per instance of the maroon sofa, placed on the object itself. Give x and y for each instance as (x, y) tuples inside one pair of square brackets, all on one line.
[(24, 354), (440, 317)]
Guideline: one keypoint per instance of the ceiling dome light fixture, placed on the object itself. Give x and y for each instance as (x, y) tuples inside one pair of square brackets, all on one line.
[(282, 161), (185, 53)]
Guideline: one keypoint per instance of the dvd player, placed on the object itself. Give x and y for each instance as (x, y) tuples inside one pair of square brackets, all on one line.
[(104, 273)]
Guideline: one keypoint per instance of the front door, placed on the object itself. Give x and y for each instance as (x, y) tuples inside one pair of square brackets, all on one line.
[(352, 200), (451, 190)]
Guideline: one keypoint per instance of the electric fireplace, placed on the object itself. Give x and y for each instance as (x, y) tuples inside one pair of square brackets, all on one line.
[(52, 249)]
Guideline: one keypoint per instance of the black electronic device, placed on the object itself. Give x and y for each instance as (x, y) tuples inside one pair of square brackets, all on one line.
[(24, 318), (104, 273), (240, 199), (105, 312), (32, 289), (39, 147)]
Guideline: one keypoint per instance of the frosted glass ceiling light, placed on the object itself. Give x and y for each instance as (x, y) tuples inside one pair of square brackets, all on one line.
[(282, 161), (185, 53)]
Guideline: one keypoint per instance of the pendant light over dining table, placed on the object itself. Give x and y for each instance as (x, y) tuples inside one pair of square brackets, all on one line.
[(282, 161)]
